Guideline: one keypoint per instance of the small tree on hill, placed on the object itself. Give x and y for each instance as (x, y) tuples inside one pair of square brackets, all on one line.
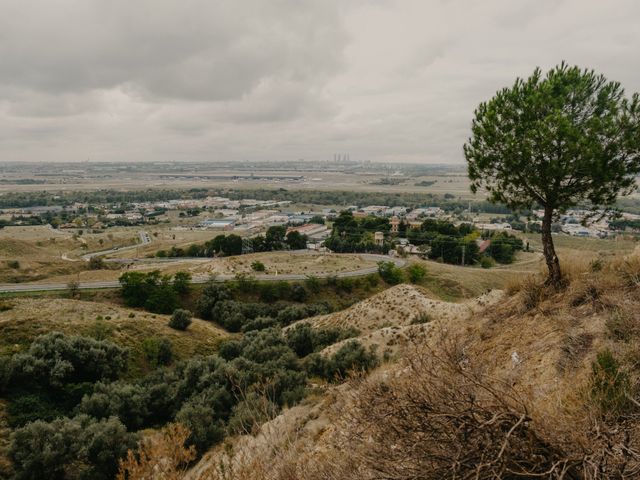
[(557, 141), (180, 320)]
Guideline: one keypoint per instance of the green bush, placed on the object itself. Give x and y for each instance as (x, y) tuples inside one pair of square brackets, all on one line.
[(258, 266), (201, 416), (611, 386), (56, 359), (345, 285), (245, 283), (313, 284), (267, 292), (352, 356), (157, 351), (79, 447), (390, 273), (373, 280), (487, 262), (182, 282), (129, 402), (251, 412), (152, 291), (180, 319), (211, 294), (416, 272), (304, 339), (298, 293), (96, 263)]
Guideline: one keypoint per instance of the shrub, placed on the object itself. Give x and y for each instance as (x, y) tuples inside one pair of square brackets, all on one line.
[(211, 294), (245, 283), (259, 323), (487, 262), (250, 413), (180, 320), (282, 290), (128, 402), (298, 293), (163, 299), (14, 264), (267, 292), (345, 284), (96, 263), (313, 284), (373, 280), (416, 272), (352, 356), (157, 351), (422, 317), (258, 266), (79, 447), (304, 339), (182, 282), (74, 288), (100, 330), (476, 427), (200, 416), (55, 359), (611, 387), (390, 273), (163, 451)]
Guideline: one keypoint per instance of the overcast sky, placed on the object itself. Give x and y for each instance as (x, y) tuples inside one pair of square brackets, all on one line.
[(199, 80)]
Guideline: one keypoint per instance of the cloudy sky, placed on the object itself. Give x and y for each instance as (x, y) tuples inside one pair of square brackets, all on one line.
[(200, 80)]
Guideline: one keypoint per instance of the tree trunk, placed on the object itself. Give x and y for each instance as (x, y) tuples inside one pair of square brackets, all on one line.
[(553, 264)]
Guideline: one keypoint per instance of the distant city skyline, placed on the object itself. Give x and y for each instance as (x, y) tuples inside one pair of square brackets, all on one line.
[(255, 80)]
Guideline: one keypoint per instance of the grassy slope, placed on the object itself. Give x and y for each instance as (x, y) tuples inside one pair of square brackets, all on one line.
[(29, 317)]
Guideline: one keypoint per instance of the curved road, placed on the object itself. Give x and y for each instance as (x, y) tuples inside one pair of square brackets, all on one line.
[(145, 239), (45, 287)]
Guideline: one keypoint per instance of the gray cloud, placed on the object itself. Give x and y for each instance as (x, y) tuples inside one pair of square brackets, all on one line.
[(391, 80)]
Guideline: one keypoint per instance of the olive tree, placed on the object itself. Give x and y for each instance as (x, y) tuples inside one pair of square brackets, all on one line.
[(556, 141)]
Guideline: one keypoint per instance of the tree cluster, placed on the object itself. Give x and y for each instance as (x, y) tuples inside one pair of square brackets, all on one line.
[(350, 234), (153, 291)]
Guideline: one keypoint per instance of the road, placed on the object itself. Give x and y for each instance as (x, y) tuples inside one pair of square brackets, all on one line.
[(145, 239), (46, 287)]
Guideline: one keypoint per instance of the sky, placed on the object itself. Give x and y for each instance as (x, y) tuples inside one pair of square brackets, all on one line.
[(248, 80)]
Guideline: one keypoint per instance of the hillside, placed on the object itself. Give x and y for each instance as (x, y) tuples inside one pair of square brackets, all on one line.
[(391, 319), (23, 319), (542, 381)]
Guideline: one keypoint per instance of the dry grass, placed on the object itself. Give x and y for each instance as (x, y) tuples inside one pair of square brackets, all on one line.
[(160, 456)]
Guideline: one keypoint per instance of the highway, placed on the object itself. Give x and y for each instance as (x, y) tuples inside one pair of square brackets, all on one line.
[(46, 287)]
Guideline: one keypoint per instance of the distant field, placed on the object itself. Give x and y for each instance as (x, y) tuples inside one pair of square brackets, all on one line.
[(455, 183)]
